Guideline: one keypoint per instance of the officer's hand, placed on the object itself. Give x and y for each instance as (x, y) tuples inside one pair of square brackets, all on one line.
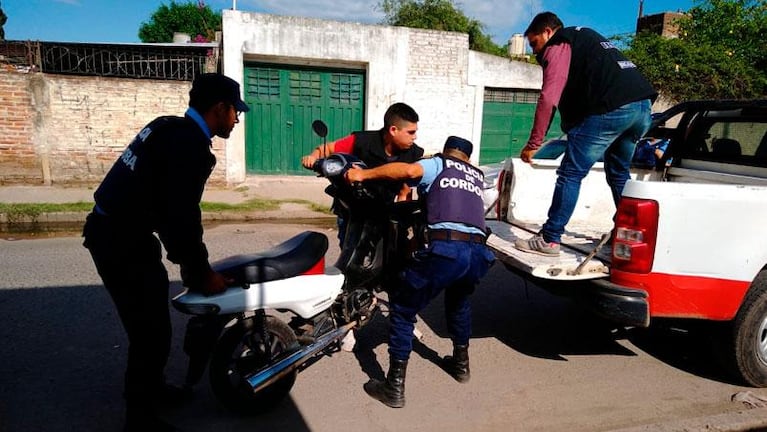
[(527, 154), (214, 283), (308, 161), (405, 194), (355, 175)]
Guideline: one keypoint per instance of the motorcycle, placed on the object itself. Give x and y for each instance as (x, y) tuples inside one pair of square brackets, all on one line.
[(286, 307)]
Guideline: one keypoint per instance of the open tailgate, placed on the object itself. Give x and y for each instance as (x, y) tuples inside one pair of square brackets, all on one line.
[(577, 245)]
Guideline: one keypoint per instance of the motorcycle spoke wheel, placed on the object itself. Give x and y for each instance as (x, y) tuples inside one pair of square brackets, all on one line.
[(239, 353)]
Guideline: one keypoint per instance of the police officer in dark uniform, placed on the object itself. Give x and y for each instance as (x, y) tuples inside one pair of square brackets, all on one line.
[(454, 259), (155, 186)]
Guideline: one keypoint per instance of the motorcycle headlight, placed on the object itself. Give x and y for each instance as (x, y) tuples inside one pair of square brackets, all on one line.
[(333, 167)]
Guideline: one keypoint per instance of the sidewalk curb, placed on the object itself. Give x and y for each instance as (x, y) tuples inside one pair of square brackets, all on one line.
[(747, 420)]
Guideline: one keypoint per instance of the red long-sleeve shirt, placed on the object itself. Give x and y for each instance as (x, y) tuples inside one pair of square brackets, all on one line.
[(557, 61)]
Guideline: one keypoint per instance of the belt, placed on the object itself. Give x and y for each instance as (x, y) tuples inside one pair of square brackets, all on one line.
[(447, 234)]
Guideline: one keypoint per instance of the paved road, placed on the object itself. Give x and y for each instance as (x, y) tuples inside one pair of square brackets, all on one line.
[(539, 363)]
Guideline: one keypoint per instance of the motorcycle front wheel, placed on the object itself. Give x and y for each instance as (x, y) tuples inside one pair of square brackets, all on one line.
[(242, 351)]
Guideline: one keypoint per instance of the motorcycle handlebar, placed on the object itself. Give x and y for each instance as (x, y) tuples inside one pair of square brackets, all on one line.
[(317, 166)]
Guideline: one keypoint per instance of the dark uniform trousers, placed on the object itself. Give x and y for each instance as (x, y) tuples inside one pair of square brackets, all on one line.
[(129, 261), (450, 265)]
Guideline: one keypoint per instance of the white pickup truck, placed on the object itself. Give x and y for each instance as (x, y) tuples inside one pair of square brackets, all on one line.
[(689, 238)]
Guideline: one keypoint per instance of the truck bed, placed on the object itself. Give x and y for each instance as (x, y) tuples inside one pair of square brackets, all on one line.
[(577, 244)]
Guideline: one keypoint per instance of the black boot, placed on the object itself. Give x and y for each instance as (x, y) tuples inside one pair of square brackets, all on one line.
[(142, 418), (391, 391), (457, 365), (169, 396)]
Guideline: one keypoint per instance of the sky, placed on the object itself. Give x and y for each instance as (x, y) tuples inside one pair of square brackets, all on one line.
[(118, 21)]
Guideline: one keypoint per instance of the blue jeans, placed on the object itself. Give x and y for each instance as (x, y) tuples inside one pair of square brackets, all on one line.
[(612, 135), (452, 266)]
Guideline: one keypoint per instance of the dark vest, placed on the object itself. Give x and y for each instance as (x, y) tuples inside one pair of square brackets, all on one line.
[(137, 185), (369, 147), (600, 78), (456, 195)]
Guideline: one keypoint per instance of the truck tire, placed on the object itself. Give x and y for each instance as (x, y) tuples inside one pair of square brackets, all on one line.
[(748, 337)]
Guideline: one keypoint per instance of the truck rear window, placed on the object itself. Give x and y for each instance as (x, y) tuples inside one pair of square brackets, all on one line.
[(733, 140)]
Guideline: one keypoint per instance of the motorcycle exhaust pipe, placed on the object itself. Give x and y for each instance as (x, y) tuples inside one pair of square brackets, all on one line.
[(266, 377)]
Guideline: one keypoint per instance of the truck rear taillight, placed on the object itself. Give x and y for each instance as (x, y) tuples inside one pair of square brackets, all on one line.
[(636, 228)]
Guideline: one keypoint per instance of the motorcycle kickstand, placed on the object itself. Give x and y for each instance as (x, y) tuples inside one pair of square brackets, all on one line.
[(261, 319)]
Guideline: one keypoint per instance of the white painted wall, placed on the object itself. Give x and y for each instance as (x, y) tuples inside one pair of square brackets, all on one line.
[(432, 71)]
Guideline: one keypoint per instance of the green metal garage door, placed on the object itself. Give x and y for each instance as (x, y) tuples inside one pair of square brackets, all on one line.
[(284, 101), (506, 121)]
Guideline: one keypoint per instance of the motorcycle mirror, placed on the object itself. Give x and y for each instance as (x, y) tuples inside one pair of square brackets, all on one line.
[(320, 128)]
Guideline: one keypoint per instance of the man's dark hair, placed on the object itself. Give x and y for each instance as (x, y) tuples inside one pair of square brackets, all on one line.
[(543, 20), (399, 112)]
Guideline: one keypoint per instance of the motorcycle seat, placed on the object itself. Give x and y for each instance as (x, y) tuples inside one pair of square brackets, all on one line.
[(292, 257)]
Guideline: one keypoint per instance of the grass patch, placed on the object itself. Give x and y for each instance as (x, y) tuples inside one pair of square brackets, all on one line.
[(312, 205), (249, 205), (17, 211), (320, 208), (262, 204)]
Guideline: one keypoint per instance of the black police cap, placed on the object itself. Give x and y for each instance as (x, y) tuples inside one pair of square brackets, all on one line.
[(211, 88)]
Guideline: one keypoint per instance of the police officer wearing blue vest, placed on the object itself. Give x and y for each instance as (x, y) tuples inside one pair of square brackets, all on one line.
[(155, 186), (454, 259)]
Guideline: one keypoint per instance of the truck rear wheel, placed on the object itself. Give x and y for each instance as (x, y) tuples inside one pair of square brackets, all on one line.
[(748, 337)]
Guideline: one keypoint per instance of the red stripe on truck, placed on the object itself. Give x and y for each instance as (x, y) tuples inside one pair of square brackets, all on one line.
[(677, 296)]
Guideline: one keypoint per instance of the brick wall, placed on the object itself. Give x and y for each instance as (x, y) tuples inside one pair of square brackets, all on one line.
[(19, 160), (70, 129), (437, 84)]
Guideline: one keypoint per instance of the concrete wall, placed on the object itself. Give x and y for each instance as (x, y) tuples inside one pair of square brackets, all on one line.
[(70, 129), (487, 70), (59, 129), (433, 71)]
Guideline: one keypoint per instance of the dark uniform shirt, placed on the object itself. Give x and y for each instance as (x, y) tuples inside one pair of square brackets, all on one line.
[(157, 184)]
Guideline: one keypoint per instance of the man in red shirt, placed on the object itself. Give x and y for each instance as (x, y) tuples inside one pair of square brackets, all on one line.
[(395, 142)]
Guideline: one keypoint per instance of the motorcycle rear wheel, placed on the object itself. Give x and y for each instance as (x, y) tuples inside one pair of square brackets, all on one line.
[(241, 352)]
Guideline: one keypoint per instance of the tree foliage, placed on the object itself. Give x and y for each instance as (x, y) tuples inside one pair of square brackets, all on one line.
[(438, 15), (719, 53), (196, 19)]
